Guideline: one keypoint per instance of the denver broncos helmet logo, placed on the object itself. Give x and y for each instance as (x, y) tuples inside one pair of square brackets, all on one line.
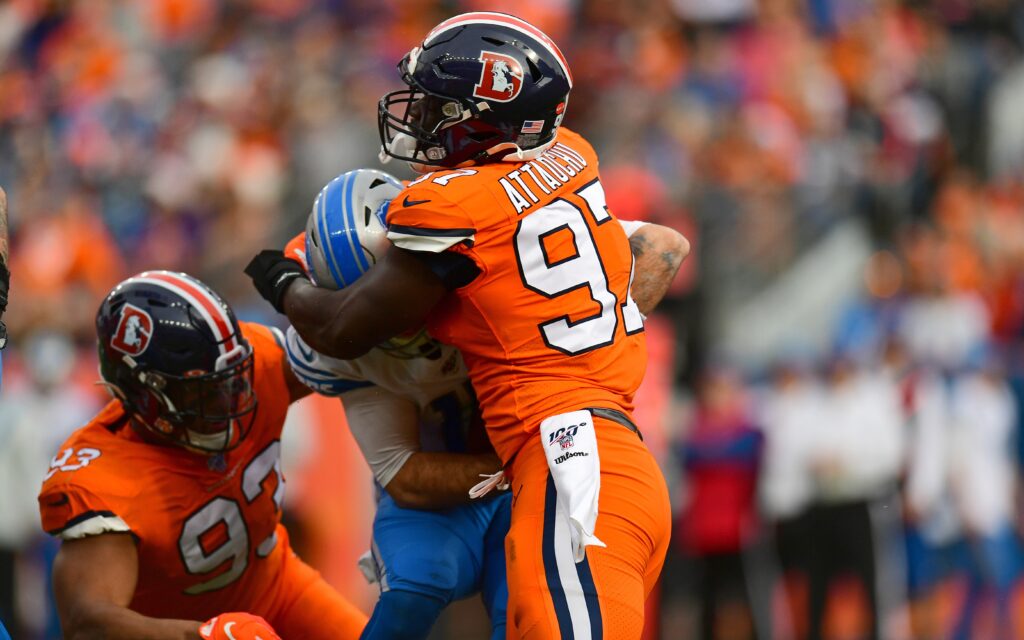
[(134, 330), (501, 78)]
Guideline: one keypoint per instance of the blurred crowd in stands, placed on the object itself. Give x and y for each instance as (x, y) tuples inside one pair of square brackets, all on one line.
[(868, 489)]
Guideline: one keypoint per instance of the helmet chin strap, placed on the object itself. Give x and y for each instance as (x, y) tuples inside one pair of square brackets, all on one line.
[(211, 441), (518, 155), (405, 145)]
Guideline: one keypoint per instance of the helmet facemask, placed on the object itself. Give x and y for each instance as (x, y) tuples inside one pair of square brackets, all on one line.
[(414, 126), (207, 412)]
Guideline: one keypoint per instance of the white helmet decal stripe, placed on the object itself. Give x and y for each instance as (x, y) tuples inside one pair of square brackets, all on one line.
[(208, 306)]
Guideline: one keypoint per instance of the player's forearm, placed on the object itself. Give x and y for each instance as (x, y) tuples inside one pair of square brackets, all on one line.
[(659, 251), (439, 480), (105, 621), (329, 321)]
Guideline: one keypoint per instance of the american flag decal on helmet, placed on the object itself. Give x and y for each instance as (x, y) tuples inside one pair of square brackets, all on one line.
[(532, 126)]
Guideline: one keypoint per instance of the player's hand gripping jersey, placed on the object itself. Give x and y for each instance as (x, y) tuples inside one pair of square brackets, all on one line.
[(555, 271), (207, 529)]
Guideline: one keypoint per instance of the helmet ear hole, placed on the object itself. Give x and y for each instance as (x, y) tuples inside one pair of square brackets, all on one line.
[(346, 230), (535, 74)]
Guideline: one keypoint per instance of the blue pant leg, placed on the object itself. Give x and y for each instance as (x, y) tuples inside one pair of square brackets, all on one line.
[(402, 615), (495, 583), (999, 560), (423, 563)]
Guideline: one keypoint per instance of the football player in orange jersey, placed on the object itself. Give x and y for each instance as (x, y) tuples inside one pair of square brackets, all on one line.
[(168, 504), (508, 251)]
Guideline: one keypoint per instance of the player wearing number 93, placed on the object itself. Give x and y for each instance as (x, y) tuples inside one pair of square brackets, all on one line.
[(507, 251), (168, 504)]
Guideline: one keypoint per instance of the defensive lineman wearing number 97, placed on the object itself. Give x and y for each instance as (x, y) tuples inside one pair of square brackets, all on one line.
[(508, 252), (168, 504)]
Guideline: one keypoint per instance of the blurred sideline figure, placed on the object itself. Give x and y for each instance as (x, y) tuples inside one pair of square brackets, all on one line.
[(5, 273), (984, 478), (855, 457), (933, 528), (719, 524), (790, 414), (411, 409), (168, 503), (45, 395)]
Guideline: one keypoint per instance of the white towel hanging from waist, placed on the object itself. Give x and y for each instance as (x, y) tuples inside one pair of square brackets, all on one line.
[(570, 446)]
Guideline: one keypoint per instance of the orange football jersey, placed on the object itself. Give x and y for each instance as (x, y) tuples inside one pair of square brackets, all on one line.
[(207, 529), (548, 326)]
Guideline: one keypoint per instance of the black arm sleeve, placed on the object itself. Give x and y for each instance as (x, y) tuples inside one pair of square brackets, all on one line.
[(453, 269)]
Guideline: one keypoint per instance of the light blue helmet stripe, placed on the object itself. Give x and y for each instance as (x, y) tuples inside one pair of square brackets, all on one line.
[(325, 238), (357, 249), (340, 223)]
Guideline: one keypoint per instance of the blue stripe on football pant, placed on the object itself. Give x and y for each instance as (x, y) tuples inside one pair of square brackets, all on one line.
[(586, 578), (551, 564), (576, 581)]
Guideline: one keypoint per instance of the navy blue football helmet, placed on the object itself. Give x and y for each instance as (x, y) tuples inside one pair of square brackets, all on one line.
[(172, 351), (482, 87)]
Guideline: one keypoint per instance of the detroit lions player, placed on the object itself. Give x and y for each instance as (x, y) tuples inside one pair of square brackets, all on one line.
[(413, 413)]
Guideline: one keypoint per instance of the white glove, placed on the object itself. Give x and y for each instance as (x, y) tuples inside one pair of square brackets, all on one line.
[(491, 481)]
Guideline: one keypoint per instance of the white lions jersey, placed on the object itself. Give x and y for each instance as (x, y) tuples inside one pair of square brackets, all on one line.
[(395, 405)]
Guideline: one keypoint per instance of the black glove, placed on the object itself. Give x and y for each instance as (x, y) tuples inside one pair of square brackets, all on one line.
[(272, 274), (5, 284)]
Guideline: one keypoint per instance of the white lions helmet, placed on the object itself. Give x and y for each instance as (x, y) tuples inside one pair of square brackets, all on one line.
[(346, 232)]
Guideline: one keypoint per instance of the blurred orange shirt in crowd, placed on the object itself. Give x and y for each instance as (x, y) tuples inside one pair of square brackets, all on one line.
[(71, 247)]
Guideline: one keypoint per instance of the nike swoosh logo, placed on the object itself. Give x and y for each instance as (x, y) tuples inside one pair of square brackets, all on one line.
[(412, 203), (227, 630)]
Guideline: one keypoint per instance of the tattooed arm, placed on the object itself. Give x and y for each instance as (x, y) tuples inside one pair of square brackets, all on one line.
[(658, 251), (5, 274)]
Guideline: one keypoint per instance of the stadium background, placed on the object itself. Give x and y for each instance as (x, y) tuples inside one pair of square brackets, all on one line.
[(848, 172)]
